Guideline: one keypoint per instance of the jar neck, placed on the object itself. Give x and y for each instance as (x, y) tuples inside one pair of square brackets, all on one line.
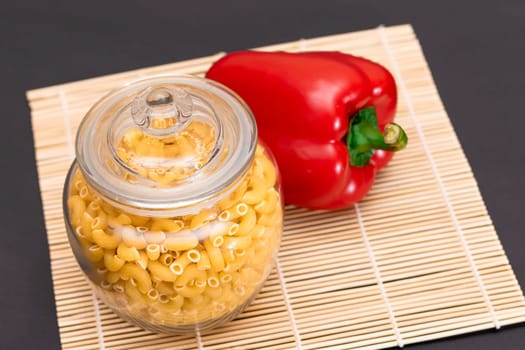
[(167, 212)]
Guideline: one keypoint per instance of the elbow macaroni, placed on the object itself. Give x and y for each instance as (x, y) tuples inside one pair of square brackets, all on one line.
[(181, 270)]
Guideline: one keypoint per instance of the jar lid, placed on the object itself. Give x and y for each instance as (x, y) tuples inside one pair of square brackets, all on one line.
[(172, 144)]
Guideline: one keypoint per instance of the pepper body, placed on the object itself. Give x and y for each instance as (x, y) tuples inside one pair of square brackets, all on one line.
[(303, 104)]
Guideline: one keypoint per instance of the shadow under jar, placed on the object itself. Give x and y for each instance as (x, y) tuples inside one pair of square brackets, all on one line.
[(172, 207)]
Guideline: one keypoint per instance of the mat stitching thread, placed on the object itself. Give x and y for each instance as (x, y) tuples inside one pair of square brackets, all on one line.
[(451, 211), (199, 338), (377, 274), (302, 46), (288, 305), (67, 122), (99, 324)]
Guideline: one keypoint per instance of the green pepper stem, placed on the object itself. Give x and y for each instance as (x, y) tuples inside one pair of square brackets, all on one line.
[(364, 137), (392, 139)]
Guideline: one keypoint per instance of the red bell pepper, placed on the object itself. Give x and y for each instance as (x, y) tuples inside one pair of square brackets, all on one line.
[(326, 116)]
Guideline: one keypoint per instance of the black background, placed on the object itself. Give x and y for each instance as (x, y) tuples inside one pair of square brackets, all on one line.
[(475, 49)]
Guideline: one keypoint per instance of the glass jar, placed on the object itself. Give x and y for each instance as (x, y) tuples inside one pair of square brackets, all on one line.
[(172, 207)]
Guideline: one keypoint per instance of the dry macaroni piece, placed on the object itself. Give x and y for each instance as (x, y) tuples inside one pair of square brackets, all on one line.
[(181, 270)]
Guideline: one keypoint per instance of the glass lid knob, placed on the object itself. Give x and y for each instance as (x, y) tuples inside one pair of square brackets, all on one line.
[(162, 111)]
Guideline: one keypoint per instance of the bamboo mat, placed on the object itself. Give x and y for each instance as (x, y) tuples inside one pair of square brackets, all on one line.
[(418, 259)]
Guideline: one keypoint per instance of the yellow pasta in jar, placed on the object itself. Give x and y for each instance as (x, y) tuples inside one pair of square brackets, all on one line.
[(234, 197), (93, 208), (104, 239), (166, 259), (214, 293), (137, 220), (82, 240), (268, 204), (166, 225), (119, 220), (202, 218), (189, 291), (236, 264), (153, 251), (154, 237), (204, 261), (212, 279), (193, 255), (76, 208), (227, 297), (132, 237), (234, 212), (112, 261), (94, 253), (183, 269), (178, 266), (247, 222), (135, 297), (77, 181), (84, 193), (127, 253), (257, 168), (140, 276), (215, 255), (255, 193), (165, 288), (86, 222), (174, 304), (143, 260), (112, 277), (269, 173), (183, 241), (228, 255), (240, 242), (118, 287), (191, 274), (258, 231), (161, 272), (99, 221)]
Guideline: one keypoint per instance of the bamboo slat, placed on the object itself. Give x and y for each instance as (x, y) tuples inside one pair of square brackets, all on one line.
[(417, 259)]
